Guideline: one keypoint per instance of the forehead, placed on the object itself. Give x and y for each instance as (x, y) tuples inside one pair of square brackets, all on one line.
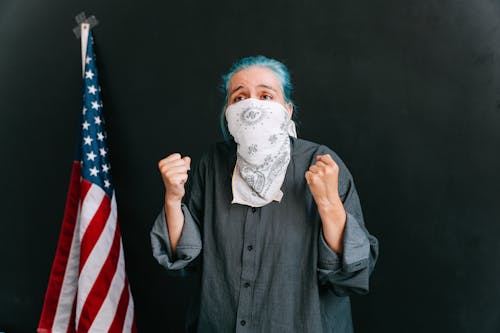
[(254, 76)]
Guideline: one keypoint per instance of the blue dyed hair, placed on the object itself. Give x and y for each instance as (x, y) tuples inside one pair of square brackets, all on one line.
[(278, 68)]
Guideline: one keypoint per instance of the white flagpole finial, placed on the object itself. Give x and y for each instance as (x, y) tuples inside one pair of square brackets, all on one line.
[(82, 18), (84, 33)]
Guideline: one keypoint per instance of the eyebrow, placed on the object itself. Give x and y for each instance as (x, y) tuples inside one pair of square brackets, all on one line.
[(260, 85)]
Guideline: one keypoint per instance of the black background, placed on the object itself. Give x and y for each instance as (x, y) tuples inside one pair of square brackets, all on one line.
[(406, 92)]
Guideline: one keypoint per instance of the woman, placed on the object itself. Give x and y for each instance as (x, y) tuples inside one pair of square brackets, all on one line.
[(272, 223)]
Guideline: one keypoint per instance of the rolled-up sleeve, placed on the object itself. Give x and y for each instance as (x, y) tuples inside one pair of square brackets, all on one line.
[(349, 272), (188, 247)]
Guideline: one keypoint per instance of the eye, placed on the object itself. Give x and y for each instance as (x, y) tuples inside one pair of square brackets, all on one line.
[(267, 96), (238, 98)]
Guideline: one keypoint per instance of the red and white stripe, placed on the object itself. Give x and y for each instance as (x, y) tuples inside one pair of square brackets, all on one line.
[(88, 288)]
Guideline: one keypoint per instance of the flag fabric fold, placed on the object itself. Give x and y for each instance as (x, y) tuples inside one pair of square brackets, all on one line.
[(88, 290)]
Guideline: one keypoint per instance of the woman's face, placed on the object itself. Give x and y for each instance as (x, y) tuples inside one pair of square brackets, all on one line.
[(256, 82)]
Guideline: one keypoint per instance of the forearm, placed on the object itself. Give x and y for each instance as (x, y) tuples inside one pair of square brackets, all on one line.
[(175, 222), (333, 218)]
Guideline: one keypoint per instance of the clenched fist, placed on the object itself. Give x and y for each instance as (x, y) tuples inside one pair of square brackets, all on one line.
[(323, 180), (174, 171)]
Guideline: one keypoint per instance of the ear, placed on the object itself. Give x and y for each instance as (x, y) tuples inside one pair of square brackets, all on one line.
[(289, 108)]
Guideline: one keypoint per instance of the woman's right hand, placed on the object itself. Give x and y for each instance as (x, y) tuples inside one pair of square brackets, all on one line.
[(174, 172)]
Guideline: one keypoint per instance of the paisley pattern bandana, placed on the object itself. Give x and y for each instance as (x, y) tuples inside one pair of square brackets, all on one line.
[(261, 130)]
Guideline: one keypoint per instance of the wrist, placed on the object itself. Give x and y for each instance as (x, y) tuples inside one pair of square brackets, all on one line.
[(332, 212), (172, 202), (330, 206)]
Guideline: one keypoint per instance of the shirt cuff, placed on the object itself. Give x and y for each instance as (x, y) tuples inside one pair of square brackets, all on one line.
[(356, 249), (188, 247)]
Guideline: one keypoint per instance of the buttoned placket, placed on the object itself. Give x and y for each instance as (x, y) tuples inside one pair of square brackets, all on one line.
[(245, 300)]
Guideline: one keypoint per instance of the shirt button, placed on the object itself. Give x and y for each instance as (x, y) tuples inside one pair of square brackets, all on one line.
[(243, 323), (254, 209), (249, 247), (246, 285)]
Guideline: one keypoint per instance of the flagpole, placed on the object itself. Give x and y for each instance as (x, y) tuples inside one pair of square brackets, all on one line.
[(84, 33)]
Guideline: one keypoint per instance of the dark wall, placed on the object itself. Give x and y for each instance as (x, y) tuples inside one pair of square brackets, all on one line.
[(406, 92)]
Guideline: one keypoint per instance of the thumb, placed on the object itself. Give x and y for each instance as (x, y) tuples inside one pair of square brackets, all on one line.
[(308, 177), (187, 161)]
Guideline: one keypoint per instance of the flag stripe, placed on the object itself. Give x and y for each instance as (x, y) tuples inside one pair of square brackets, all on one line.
[(90, 204), (130, 317), (71, 323), (121, 311), (109, 308), (99, 290), (134, 327), (85, 187), (96, 259), (63, 250), (94, 230), (67, 298)]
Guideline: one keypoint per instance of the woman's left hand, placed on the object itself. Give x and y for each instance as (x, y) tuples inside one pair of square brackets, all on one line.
[(323, 179)]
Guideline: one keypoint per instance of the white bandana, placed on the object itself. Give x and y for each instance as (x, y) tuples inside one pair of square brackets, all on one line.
[(261, 131)]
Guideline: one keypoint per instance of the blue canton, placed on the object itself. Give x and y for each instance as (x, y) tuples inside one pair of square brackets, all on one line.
[(93, 149)]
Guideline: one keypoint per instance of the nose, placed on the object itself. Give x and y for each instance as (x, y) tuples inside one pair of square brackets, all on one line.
[(253, 94)]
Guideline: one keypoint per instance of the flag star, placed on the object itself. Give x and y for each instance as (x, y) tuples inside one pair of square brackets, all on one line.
[(88, 140), (105, 168), (89, 74), (95, 105), (84, 110), (85, 125), (93, 171), (100, 137), (107, 183), (88, 60), (103, 152), (92, 90), (97, 120), (91, 156)]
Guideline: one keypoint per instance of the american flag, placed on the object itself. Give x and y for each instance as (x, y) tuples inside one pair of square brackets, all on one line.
[(88, 290)]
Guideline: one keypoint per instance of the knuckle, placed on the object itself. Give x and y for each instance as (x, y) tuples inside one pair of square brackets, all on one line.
[(175, 156)]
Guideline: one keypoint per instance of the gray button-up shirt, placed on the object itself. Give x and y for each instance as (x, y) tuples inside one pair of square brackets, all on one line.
[(267, 269)]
